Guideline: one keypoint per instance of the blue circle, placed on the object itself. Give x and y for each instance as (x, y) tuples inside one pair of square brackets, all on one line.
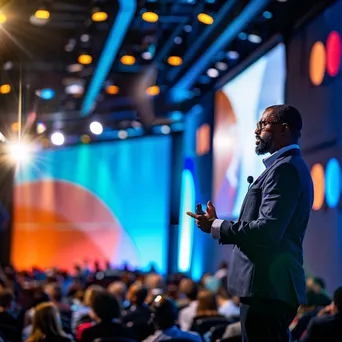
[(332, 182), (47, 94)]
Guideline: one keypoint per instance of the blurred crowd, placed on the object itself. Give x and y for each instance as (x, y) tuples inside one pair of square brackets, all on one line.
[(122, 305)]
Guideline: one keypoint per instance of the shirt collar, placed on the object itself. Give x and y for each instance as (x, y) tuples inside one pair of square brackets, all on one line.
[(268, 161)]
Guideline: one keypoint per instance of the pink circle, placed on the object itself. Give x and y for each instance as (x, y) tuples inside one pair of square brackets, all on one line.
[(333, 53)]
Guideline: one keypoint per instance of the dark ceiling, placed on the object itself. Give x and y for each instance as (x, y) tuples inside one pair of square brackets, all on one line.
[(34, 57)]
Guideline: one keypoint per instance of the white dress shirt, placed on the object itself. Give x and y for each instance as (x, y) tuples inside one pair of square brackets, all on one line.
[(268, 161)]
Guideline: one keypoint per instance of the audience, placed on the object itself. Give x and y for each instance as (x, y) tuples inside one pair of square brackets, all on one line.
[(46, 325), (328, 325), (53, 301), (228, 307), (119, 290), (188, 288), (164, 319), (105, 312), (9, 327)]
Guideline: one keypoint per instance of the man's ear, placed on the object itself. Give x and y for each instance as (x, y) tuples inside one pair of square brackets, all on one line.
[(285, 128)]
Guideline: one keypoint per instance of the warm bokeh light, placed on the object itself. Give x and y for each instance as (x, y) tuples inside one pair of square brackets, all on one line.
[(333, 53), (15, 127), (85, 59), (205, 18), (40, 128), (85, 138), (150, 17), (99, 16), (112, 89), (3, 18), (128, 59), (317, 174), (153, 91), (42, 14), (19, 152), (175, 60), (317, 63), (5, 89)]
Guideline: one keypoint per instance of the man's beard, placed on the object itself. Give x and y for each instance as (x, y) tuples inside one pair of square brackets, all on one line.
[(264, 145)]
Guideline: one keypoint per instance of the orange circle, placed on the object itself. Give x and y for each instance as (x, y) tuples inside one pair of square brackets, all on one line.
[(317, 63), (317, 174)]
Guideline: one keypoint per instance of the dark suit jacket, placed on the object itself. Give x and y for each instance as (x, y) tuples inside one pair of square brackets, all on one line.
[(267, 259), (324, 329), (106, 329)]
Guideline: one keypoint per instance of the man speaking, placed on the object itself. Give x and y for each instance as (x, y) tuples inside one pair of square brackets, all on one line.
[(266, 267)]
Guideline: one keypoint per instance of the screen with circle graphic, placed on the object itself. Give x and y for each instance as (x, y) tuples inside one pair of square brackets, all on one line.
[(105, 202), (238, 107), (314, 79)]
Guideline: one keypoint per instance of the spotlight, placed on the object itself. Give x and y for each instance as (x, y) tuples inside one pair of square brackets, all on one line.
[(267, 15), (146, 55), (42, 14), (212, 72), (178, 40), (96, 128), (85, 59), (233, 55), (205, 18), (242, 36), (187, 28), (254, 38), (165, 129), (150, 17), (47, 94), (123, 134), (128, 59), (112, 89), (99, 16), (175, 60), (3, 18), (221, 66), (19, 151), (153, 91), (57, 138), (5, 89)]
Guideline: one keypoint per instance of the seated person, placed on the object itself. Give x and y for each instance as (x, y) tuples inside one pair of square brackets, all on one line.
[(164, 318), (327, 327), (9, 326), (207, 308), (105, 311), (228, 307), (47, 325), (138, 314)]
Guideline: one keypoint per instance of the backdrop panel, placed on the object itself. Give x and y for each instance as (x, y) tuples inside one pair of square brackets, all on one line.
[(107, 201)]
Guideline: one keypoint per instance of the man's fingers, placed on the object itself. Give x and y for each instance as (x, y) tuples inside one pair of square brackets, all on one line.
[(197, 217)]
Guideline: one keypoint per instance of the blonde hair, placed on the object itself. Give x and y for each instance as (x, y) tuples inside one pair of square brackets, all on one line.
[(45, 323)]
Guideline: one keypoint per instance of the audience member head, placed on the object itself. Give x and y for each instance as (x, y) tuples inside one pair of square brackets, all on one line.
[(165, 313), (54, 291), (137, 294), (6, 299), (207, 305), (189, 288), (154, 281), (46, 322), (89, 293), (104, 307), (119, 290), (338, 299)]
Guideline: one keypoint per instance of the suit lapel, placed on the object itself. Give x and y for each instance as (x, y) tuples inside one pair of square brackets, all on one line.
[(293, 152)]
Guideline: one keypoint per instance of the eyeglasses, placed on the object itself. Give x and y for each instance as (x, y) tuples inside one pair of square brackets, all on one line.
[(262, 124)]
